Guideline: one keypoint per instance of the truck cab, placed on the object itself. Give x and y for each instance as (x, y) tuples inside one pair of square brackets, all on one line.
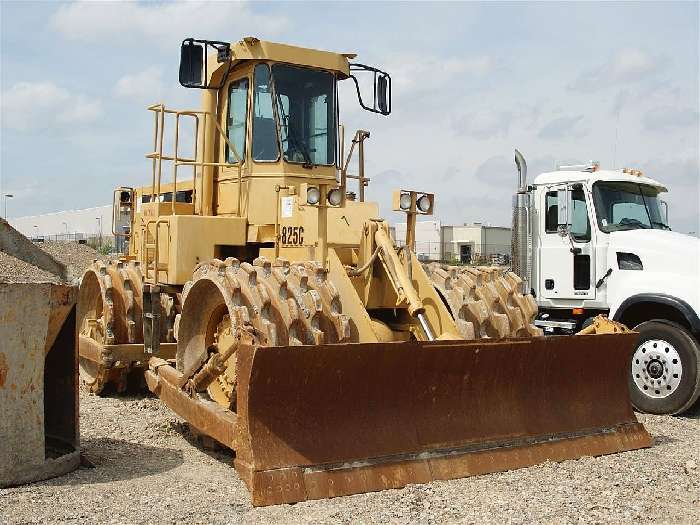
[(598, 241)]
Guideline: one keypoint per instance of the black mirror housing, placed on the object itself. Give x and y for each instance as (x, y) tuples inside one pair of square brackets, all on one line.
[(191, 63), (383, 94), (194, 65)]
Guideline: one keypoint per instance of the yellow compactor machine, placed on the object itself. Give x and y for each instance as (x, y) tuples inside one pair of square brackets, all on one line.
[(267, 304)]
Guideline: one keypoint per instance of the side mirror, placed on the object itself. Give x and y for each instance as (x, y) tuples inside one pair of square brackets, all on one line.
[(191, 63), (383, 94), (194, 64), (665, 206), (381, 88), (563, 206)]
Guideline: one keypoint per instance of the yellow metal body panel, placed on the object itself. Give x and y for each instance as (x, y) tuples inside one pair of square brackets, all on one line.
[(186, 240), (194, 239), (345, 225), (251, 48)]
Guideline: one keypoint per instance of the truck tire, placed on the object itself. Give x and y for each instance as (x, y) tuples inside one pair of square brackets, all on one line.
[(665, 368)]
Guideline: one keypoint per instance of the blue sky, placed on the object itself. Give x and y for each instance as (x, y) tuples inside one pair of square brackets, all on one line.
[(563, 82)]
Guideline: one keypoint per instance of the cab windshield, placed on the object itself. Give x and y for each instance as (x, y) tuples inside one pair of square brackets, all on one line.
[(628, 206), (305, 103)]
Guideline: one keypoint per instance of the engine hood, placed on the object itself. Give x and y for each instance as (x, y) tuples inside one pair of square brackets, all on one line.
[(660, 250)]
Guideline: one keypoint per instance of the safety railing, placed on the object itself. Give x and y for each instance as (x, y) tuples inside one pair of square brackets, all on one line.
[(202, 121), (200, 150), (359, 141), (153, 265)]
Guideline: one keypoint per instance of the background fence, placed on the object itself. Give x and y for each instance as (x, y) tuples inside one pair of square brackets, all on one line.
[(105, 244), (463, 253)]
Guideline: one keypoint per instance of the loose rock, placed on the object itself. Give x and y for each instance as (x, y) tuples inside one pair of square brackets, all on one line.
[(150, 468)]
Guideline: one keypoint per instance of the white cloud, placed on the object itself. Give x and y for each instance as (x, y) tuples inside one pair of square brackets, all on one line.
[(411, 71), (563, 127), (483, 124), (40, 105), (664, 118), (630, 64), (473, 66), (144, 84), (626, 66), (160, 22)]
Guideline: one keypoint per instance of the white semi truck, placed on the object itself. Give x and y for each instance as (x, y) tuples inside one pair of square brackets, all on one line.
[(588, 241)]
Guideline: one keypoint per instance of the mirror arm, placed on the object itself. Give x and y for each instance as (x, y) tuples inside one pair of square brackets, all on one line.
[(375, 71)]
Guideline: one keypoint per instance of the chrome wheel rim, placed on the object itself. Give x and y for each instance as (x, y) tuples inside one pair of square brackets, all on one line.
[(656, 368)]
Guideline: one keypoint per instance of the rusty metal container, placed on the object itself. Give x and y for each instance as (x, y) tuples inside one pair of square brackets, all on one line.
[(39, 433)]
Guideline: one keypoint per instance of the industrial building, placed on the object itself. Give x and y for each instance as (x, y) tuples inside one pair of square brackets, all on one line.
[(474, 243), (67, 225)]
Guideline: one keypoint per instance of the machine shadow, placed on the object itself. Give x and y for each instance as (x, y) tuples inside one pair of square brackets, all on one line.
[(694, 412), (204, 443), (119, 460)]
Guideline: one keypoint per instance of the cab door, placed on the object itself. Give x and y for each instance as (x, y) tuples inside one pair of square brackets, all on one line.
[(567, 269)]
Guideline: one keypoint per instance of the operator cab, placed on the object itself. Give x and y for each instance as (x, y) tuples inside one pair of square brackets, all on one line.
[(282, 99), (577, 208), (620, 200)]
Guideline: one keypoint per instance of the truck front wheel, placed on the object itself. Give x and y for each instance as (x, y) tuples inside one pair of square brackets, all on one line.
[(665, 369)]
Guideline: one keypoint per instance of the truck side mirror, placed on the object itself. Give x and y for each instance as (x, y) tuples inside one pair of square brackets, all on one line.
[(563, 206), (664, 204), (191, 63)]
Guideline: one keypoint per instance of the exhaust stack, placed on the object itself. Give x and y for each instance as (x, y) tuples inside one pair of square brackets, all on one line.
[(522, 171), (521, 246)]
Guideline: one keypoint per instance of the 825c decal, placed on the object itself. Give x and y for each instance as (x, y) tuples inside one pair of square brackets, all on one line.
[(292, 235)]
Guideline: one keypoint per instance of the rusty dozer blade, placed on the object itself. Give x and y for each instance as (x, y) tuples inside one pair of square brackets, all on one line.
[(322, 421)]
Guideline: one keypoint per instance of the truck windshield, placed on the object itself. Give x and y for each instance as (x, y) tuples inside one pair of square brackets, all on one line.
[(305, 100), (628, 206)]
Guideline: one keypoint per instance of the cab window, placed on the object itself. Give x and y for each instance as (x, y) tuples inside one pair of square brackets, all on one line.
[(552, 212), (580, 225), (237, 111), (265, 146)]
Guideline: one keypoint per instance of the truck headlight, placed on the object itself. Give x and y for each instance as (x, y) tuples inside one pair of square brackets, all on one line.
[(629, 261), (423, 203), (405, 201), (313, 195), (335, 196)]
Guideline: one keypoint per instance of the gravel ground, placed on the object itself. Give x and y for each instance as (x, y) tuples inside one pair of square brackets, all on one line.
[(149, 468)]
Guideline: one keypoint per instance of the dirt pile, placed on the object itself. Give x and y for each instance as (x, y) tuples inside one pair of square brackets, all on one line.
[(76, 257), (13, 270)]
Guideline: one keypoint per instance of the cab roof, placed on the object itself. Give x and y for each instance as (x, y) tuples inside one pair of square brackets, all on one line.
[(251, 48), (564, 176)]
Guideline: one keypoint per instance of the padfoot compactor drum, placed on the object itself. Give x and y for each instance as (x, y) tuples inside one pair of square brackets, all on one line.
[(266, 303)]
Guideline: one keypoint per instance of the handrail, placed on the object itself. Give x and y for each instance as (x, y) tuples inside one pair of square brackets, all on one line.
[(359, 139), (144, 244), (157, 156)]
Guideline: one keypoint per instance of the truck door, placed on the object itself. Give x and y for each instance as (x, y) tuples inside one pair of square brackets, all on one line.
[(567, 269)]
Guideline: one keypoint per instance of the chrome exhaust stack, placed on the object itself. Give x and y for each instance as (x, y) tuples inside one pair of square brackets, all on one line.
[(521, 246)]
